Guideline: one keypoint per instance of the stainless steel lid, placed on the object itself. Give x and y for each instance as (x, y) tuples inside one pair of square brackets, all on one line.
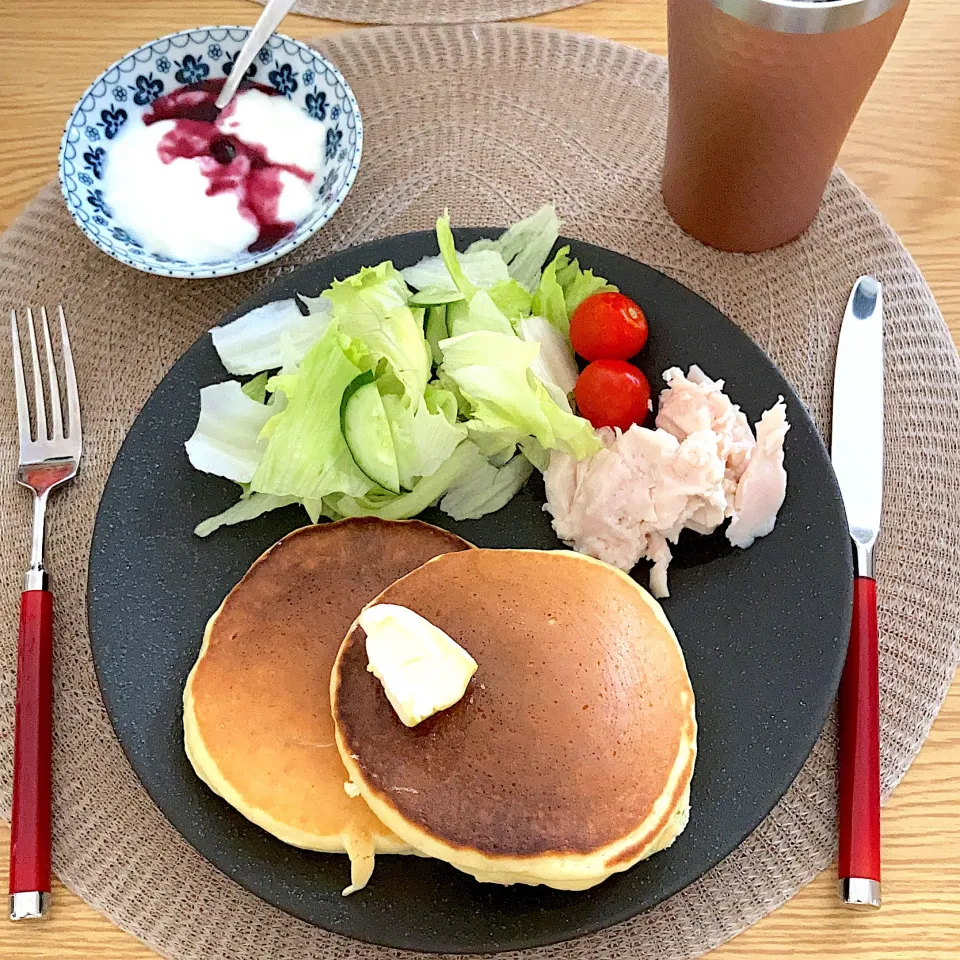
[(805, 16)]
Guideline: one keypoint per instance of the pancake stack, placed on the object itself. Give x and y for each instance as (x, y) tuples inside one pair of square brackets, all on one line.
[(568, 758), (570, 755), (256, 713)]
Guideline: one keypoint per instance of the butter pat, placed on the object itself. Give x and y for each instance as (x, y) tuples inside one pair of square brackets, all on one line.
[(422, 669)]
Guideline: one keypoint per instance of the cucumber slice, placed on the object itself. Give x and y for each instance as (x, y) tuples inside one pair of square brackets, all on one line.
[(436, 330), (431, 296), (458, 317), (366, 431)]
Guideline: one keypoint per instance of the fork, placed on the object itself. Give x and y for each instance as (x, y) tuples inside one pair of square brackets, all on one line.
[(47, 460)]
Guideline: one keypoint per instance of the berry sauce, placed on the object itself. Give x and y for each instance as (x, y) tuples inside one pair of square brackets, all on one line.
[(230, 165)]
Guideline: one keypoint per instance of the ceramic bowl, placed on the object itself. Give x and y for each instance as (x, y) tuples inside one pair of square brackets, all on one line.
[(127, 89)]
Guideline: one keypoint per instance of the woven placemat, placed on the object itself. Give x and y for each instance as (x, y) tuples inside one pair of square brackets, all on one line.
[(428, 11), (495, 121)]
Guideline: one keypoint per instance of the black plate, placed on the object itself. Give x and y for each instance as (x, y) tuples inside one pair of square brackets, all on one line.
[(764, 632)]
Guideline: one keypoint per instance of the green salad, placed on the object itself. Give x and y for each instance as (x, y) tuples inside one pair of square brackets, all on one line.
[(445, 383)]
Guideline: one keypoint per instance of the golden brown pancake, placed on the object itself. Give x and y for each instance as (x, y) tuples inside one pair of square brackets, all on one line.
[(257, 722), (570, 755)]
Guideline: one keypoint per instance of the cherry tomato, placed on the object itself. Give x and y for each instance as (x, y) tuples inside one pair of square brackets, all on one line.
[(612, 393), (608, 326)]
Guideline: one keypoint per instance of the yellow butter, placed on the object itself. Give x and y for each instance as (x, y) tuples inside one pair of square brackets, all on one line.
[(421, 668)]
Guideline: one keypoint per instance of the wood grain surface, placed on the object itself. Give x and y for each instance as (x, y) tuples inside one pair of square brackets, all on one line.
[(904, 151)]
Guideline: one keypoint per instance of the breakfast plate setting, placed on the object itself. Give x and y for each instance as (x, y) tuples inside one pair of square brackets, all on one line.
[(737, 670), (454, 562)]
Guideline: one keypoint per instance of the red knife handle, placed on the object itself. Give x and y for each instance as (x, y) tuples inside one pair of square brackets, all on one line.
[(859, 761), (32, 746)]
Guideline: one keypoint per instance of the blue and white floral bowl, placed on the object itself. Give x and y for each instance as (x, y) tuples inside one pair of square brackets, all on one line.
[(128, 88)]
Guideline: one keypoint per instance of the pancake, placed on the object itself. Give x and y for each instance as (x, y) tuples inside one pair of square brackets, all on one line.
[(257, 722), (570, 755)]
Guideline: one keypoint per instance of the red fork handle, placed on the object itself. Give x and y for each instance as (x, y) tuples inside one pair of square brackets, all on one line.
[(859, 760), (32, 746)]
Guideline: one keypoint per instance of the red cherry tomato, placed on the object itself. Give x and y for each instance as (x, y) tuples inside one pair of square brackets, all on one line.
[(612, 393), (608, 326)]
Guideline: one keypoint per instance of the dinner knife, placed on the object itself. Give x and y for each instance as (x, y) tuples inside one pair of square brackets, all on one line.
[(857, 453)]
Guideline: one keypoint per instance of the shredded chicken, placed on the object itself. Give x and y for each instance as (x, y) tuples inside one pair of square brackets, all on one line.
[(695, 402), (625, 502), (763, 485), (700, 466)]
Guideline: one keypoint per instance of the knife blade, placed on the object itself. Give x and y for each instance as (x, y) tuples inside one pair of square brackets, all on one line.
[(857, 452), (857, 444)]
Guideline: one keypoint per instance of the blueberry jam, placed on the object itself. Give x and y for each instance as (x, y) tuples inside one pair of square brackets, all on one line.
[(223, 150), (229, 164)]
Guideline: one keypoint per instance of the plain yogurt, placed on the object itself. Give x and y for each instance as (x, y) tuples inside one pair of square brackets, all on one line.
[(201, 185)]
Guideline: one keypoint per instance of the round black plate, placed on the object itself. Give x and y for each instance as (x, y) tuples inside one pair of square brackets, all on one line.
[(764, 632)]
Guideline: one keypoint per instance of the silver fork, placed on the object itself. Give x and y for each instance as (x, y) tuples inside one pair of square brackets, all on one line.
[(48, 458)]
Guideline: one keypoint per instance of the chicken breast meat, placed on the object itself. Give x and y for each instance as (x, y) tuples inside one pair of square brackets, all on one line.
[(700, 466)]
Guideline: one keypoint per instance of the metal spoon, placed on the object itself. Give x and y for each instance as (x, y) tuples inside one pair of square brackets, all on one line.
[(269, 20)]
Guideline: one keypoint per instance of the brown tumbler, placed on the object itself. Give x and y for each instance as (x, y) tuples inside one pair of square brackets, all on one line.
[(762, 94)]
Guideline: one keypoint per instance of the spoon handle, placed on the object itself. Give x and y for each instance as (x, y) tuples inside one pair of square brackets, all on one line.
[(269, 20)]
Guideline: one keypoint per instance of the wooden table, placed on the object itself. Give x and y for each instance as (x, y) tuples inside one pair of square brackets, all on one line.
[(904, 151)]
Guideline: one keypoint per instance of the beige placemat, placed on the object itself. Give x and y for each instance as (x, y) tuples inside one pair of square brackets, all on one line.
[(496, 120), (428, 11)]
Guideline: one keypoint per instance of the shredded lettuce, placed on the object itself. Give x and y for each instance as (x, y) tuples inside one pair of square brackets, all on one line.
[(548, 299), (270, 336), (371, 308), (478, 312), (497, 444), (306, 456), (427, 492), (436, 330), (526, 245), (555, 364), (276, 403), (448, 254), (533, 450), (317, 304), (558, 396), (485, 489), (227, 440), (422, 439), (473, 365), (256, 389), (511, 298), (579, 284), (441, 400), (457, 315), (493, 373), (380, 288), (316, 509), (434, 296), (482, 268), (563, 287), (246, 509), (449, 384)]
